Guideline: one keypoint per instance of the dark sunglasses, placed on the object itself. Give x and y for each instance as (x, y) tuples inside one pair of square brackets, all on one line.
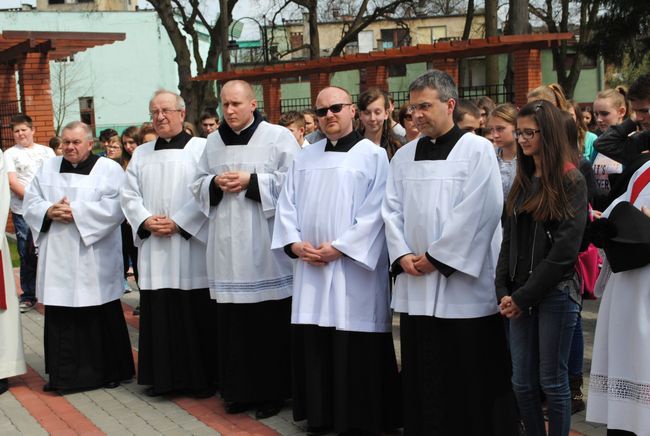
[(335, 108)]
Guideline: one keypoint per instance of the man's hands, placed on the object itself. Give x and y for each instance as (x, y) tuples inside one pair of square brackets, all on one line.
[(416, 265), (509, 308), (61, 211), (233, 181), (160, 225), (320, 256)]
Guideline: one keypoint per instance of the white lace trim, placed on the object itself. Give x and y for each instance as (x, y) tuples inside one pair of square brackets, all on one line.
[(620, 389)]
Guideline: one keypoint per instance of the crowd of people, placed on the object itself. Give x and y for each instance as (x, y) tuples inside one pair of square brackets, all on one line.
[(270, 258)]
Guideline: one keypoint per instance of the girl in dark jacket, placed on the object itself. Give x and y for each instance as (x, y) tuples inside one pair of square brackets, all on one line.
[(536, 284)]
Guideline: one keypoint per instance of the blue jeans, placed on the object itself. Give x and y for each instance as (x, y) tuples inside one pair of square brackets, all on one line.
[(539, 343), (28, 259), (576, 356)]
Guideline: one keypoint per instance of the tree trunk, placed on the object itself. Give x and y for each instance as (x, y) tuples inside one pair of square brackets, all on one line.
[(491, 61), (518, 24)]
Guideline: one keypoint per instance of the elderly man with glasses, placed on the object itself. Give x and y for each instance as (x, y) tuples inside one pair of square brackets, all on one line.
[(177, 317)]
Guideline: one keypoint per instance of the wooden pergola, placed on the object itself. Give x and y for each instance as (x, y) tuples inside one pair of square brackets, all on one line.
[(443, 55), (28, 54)]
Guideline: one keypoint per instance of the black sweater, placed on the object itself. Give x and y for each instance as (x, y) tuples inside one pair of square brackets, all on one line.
[(536, 256)]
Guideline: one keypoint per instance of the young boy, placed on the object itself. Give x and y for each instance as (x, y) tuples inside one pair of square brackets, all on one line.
[(23, 160), (295, 122)]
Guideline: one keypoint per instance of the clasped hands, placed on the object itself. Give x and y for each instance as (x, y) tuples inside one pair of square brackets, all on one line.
[(233, 181), (416, 265), (61, 211), (509, 308), (160, 225), (319, 256)]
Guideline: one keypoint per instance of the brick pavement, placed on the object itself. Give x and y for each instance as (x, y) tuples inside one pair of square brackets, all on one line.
[(126, 410)]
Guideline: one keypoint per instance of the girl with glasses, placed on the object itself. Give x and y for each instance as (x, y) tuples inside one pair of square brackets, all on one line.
[(537, 288)]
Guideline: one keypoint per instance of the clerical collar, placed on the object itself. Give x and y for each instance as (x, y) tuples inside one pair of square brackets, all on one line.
[(345, 143), (84, 168), (439, 148), (177, 142), (229, 137)]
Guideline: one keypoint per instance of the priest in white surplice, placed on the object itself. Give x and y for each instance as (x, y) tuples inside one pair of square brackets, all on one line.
[(12, 359), (72, 206), (242, 171), (619, 385), (329, 219), (442, 208), (177, 317)]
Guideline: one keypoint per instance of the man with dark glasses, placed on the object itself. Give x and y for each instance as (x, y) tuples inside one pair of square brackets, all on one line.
[(329, 220)]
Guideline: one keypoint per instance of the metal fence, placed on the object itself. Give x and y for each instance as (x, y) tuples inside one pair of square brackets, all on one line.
[(499, 93), (7, 110)]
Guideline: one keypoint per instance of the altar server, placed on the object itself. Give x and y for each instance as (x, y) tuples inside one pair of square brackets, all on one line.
[(620, 375), (12, 359), (72, 206), (329, 219), (442, 208), (242, 171), (177, 318)]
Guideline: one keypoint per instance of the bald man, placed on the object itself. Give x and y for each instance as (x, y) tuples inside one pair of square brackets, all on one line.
[(241, 173), (329, 219)]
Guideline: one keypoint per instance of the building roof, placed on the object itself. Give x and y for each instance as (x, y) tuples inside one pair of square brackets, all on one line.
[(14, 44), (396, 56)]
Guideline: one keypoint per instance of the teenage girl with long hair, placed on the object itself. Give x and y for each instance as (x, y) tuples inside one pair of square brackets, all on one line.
[(374, 107), (537, 288)]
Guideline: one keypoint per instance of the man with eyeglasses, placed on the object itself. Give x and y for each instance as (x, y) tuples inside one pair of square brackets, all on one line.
[(177, 315), (629, 142), (441, 210), (72, 206), (241, 174), (329, 220)]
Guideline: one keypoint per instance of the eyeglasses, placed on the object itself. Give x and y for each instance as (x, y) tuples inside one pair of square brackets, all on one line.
[(335, 109), (526, 133), (165, 112), (419, 107)]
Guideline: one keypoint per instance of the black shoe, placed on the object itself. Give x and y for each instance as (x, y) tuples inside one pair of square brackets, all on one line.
[(267, 410), (136, 311), (152, 392), (112, 385), (234, 407), (4, 385), (318, 430), (47, 387), (205, 393)]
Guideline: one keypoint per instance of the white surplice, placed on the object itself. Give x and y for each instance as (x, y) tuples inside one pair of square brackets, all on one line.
[(79, 263), (158, 182), (336, 196), (241, 266), (12, 358), (619, 385), (450, 209)]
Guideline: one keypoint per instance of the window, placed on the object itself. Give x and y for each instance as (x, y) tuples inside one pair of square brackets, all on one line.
[(55, 2), (393, 38)]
